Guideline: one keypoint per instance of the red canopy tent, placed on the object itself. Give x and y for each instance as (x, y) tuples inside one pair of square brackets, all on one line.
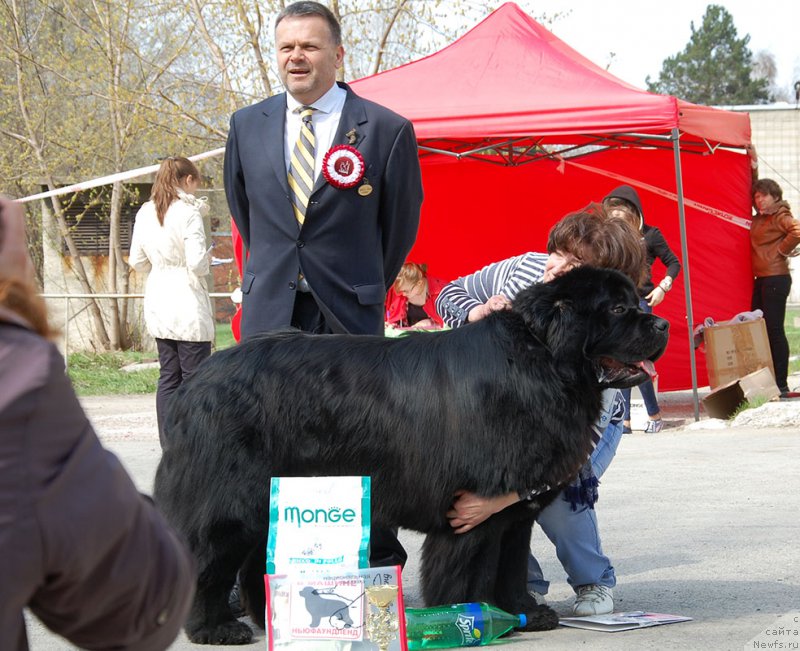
[(516, 129)]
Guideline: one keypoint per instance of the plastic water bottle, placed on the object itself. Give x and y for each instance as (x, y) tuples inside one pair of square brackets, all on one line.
[(472, 624)]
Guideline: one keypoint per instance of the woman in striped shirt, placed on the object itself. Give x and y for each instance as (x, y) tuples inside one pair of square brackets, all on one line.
[(586, 237)]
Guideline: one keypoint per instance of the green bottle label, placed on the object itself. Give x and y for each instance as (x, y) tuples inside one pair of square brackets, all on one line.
[(471, 625)]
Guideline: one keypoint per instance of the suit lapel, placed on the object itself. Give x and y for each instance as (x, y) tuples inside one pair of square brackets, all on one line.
[(274, 113), (353, 120)]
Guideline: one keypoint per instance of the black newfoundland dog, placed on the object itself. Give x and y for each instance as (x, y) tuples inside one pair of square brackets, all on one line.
[(504, 404)]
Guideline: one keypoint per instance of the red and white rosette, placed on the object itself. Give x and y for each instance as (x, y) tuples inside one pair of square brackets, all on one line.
[(343, 166)]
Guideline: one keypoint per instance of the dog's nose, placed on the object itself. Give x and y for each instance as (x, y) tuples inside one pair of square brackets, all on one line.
[(662, 325)]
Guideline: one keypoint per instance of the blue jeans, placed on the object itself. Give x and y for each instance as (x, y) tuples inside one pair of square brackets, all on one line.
[(647, 389), (575, 534)]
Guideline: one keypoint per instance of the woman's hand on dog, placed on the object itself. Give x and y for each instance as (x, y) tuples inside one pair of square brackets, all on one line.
[(469, 510), (495, 303)]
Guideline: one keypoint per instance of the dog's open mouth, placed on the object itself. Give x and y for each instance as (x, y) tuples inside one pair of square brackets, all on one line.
[(613, 373)]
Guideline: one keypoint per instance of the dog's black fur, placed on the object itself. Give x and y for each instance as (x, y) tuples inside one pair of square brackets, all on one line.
[(501, 405)]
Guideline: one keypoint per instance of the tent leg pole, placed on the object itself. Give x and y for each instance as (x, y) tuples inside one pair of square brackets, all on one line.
[(687, 286)]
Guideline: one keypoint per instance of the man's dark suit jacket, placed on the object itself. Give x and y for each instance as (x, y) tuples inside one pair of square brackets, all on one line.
[(350, 247)]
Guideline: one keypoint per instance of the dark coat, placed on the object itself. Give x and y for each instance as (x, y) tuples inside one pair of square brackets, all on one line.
[(350, 247), (654, 240), (657, 247), (79, 546)]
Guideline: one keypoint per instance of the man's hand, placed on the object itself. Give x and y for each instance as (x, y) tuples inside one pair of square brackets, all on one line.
[(469, 510)]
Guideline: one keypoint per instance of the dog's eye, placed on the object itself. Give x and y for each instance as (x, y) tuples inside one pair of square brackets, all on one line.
[(618, 309)]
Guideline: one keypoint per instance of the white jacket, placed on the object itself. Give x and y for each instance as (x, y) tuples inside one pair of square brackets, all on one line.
[(176, 301)]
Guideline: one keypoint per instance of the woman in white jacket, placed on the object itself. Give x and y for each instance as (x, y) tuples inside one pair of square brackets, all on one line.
[(169, 241)]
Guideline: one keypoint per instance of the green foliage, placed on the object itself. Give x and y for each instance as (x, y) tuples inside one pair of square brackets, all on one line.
[(715, 68)]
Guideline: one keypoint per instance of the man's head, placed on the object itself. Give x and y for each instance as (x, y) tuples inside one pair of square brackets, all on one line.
[(592, 237), (308, 42)]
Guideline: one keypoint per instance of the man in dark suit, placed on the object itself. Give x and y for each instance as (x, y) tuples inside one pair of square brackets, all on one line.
[(320, 262), (324, 246)]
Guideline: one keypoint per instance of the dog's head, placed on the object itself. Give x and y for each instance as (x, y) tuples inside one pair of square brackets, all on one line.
[(593, 314)]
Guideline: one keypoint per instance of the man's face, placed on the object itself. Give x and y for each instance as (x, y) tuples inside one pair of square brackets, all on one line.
[(307, 57)]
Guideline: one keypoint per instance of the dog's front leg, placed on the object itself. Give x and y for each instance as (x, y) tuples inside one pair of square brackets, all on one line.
[(459, 568), (210, 619)]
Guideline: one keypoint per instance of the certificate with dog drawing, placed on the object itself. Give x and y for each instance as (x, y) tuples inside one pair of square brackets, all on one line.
[(327, 609), (352, 610)]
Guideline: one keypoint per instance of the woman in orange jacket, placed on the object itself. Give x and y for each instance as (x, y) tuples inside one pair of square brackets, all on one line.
[(774, 234)]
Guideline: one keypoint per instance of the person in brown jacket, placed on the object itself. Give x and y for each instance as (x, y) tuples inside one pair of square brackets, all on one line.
[(79, 546), (774, 234)]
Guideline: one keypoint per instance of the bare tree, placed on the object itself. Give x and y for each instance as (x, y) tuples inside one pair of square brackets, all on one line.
[(31, 84)]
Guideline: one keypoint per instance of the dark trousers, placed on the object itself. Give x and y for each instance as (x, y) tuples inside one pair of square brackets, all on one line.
[(385, 549), (307, 316), (770, 294), (178, 360)]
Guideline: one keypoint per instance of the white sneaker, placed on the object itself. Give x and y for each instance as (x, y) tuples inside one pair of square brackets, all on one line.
[(593, 600)]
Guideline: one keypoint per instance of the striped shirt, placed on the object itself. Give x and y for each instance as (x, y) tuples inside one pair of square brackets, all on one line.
[(507, 277)]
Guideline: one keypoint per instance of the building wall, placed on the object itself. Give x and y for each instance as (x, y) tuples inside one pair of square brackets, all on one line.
[(776, 136)]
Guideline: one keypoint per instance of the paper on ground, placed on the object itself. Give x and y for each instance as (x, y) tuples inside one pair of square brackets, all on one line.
[(622, 621)]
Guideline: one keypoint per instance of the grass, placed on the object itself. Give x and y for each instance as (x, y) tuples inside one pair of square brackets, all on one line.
[(94, 374), (748, 404), (97, 374)]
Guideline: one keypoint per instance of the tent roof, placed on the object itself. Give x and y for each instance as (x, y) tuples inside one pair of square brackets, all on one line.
[(509, 77)]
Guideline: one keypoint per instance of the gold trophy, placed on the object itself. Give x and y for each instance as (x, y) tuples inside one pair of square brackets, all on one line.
[(381, 621)]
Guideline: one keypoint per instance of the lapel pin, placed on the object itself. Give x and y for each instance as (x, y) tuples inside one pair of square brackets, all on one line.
[(365, 189)]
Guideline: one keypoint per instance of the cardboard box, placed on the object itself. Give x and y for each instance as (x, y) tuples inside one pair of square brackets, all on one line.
[(723, 401), (734, 350)]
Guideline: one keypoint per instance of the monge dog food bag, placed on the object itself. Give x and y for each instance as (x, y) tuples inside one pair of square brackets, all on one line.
[(318, 523)]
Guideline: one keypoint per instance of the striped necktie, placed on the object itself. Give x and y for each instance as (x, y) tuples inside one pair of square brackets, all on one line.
[(301, 167)]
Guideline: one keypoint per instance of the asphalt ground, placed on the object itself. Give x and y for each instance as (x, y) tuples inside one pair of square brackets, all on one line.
[(701, 519)]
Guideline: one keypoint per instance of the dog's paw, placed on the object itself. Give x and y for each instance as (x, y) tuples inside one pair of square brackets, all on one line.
[(540, 618), (226, 633)]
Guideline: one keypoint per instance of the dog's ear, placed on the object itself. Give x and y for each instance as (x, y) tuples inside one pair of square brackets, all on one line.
[(551, 317)]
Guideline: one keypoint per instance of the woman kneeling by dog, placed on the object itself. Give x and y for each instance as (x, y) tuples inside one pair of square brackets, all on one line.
[(589, 237)]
